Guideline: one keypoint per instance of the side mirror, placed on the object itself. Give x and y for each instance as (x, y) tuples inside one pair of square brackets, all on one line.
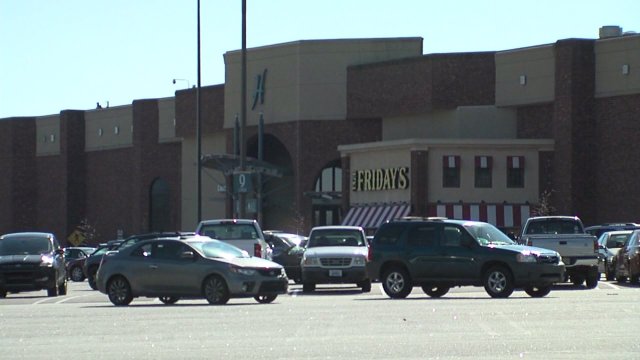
[(59, 252)]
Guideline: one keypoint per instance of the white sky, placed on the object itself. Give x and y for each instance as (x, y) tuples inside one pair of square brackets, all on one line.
[(70, 54)]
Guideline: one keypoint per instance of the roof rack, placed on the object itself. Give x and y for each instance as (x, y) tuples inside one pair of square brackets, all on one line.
[(421, 218)]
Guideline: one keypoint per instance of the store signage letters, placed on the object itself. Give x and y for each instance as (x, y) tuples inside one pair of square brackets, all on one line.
[(380, 179)]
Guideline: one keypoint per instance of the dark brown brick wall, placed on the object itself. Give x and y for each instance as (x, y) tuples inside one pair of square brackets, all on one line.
[(419, 85), (419, 183), (616, 167), (574, 129), (535, 122), (211, 113)]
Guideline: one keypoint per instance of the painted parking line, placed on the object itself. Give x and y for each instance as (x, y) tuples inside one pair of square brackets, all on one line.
[(613, 286)]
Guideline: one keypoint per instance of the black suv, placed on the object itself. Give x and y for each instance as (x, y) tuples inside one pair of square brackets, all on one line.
[(32, 261), (438, 254)]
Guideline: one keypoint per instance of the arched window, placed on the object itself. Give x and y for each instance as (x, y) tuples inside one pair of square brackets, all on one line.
[(330, 179), (160, 208)]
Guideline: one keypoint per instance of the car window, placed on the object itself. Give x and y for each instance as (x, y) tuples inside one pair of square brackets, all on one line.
[(424, 236), (168, 250), (143, 250), (229, 231), (452, 236), (617, 241), (336, 237), (553, 227), (389, 234), (487, 234), (219, 249)]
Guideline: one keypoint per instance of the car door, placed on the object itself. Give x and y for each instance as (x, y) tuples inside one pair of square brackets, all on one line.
[(173, 273), (457, 255), (622, 258), (422, 256)]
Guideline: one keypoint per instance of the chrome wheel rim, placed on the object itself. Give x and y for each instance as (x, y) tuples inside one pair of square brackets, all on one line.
[(395, 282), (214, 290), (497, 282), (118, 290)]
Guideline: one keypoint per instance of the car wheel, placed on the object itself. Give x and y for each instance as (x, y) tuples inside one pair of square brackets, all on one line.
[(308, 287), (169, 300), (538, 291), (435, 291), (396, 283), (265, 298), (620, 278), (119, 291), (634, 278), (91, 278), (592, 281), (498, 282), (53, 291), (365, 285), (3, 293), (577, 280), (62, 287), (608, 274), (215, 290), (77, 274)]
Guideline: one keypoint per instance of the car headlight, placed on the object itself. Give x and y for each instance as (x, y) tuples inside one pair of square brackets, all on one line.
[(243, 271), (359, 261), (526, 257), (46, 260), (310, 261)]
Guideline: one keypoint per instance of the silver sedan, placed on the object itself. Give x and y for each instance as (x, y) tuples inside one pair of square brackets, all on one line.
[(193, 267)]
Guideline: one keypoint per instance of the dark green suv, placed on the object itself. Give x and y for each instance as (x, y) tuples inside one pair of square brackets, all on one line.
[(438, 254)]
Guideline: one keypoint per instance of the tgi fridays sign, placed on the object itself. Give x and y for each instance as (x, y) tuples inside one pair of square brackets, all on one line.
[(396, 178)]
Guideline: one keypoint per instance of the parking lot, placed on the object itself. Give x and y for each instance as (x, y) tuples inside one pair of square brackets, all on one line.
[(336, 322)]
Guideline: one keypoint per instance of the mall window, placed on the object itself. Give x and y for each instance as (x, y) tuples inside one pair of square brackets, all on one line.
[(330, 180), (451, 171), (483, 171), (515, 171)]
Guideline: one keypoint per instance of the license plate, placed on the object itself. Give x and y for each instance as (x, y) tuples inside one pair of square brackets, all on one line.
[(335, 273)]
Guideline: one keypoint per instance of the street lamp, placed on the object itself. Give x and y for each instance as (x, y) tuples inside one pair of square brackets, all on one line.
[(188, 84), (198, 131), (243, 111)]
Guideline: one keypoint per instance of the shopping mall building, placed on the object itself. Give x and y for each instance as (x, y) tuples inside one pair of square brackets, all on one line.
[(353, 131)]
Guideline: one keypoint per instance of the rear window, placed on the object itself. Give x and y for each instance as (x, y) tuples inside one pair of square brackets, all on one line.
[(554, 227), (229, 231)]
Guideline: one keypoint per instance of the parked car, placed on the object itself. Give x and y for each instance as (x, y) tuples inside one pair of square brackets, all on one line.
[(609, 244), (91, 264), (438, 254), (243, 233), (74, 258), (598, 230), (195, 267), (335, 254), (32, 261), (287, 252), (566, 235), (627, 260)]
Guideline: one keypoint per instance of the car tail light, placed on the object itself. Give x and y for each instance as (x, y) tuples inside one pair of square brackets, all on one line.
[(370, 252), (596, 248), (257, 250)]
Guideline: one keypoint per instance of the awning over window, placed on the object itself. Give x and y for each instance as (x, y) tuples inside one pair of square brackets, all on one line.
[(500, 215), (372, 216)]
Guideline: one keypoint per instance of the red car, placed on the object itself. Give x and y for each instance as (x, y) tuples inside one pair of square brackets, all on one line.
[(627, 261), (74, 258)]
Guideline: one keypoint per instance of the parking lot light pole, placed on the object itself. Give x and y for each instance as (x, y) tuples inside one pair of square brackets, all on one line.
[(243, 111), (198, 131)]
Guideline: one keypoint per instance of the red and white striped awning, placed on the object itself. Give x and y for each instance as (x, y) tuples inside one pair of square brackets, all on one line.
[(372, 216), (500, 215)]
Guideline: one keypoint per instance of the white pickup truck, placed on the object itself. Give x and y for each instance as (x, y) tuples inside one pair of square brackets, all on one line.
[(245, 234), (566, 235)]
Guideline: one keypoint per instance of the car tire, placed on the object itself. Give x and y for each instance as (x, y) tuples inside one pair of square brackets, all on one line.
[(76, 274), (538, 291), (365, 285), (608, 274), (620, 278), (62, 287), (577, 280), (119, 291), (168, 300), (435, 291), (498, 282), (634, 278), (53, 291), (265, 298), (215, 290), (91, 278), (3, 293), (308, 287), (396, 283), (592, 280)]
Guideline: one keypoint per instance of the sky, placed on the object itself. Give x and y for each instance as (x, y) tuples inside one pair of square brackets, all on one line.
[(72, 54)]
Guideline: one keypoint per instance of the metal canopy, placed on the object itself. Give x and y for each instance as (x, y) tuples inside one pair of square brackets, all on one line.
[(228, 164)]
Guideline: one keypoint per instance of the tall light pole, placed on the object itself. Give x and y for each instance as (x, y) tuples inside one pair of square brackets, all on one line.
[(198, 131), (243, 104)]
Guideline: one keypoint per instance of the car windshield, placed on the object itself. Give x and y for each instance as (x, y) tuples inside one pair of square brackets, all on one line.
[(487, 234), (218, 249), (231, 231), (336, 237), (25, 246)]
